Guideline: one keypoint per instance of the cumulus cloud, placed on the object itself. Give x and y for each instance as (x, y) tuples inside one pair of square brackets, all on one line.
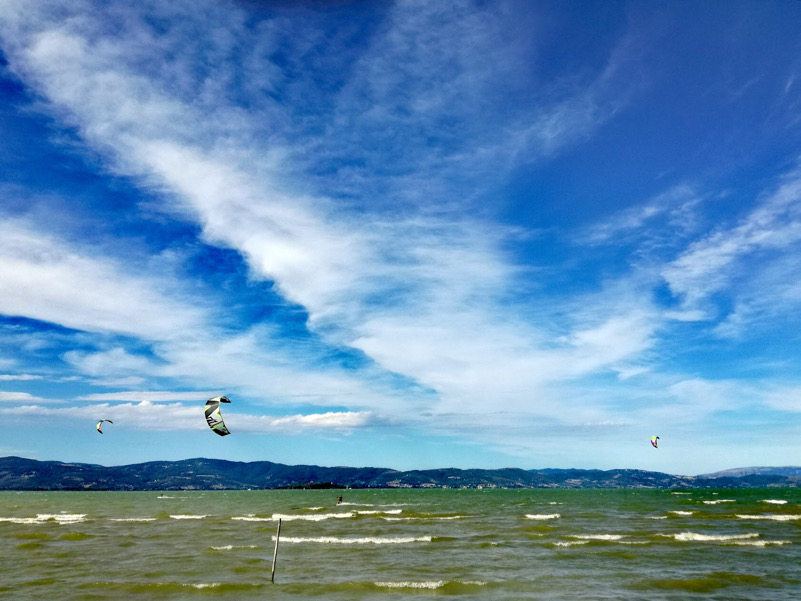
[(144, 415), (295, 424)]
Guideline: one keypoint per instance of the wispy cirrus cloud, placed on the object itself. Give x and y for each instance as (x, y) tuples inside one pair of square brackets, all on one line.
[(787, 399), (19, 377), (317, 257), (418, 291), (48, 280), (153, 396), (721, 259), (21, 397), (328, 214), (143, 415), (152, 415), (674, 206)]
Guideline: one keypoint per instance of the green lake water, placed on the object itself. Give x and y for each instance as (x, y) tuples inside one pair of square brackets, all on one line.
[(402, 544)]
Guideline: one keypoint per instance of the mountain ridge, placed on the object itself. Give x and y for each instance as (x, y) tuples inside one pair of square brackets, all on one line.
[(18, 473)]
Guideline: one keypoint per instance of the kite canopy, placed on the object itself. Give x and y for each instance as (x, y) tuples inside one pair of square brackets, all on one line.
[(214, 417), (654, 442), (100, 422)]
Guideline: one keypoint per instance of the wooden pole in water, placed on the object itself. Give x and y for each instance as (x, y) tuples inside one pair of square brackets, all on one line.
[(275, 553)]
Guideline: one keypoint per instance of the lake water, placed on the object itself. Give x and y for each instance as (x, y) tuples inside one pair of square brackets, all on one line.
[(402, 544)]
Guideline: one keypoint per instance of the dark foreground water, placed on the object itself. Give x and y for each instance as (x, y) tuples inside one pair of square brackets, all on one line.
[(402, 544)]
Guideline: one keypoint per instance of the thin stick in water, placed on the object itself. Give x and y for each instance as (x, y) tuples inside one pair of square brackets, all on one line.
[(275, 553)]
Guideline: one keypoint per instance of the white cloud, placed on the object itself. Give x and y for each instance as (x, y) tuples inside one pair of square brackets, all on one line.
[(428, 293), (148, 415), (285, 239), (296, 424), (630, 371), (17, 397), (149, 396), (788, 399), (676, 204), (21, 397), (715, 263), (109, 362), (143, 416), (43, 278), (18, 377)]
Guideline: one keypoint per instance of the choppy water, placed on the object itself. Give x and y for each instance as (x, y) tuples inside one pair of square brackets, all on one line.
[(402, 544)]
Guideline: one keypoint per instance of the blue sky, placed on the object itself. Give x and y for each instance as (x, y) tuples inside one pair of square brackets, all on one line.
[(402, 234)]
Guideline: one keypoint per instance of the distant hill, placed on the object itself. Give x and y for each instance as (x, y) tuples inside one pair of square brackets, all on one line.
[(17, 473), (739, 472)]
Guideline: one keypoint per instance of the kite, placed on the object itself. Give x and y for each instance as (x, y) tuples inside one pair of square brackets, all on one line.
[(100, 422), (654, 443), (213, 417)]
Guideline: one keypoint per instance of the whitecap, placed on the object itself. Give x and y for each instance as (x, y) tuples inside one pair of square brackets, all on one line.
[(571, 543), (719, 501), (20, 520), (679, 512), (431, 584), (183, 516), (374, 540), (133, 519), (597, 536), (775, 518), (694, 536), (542, 516), (775, 501), (41, 518), (428, 518), (426, 584), (762, 543), (197, 585), (313, 518)]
